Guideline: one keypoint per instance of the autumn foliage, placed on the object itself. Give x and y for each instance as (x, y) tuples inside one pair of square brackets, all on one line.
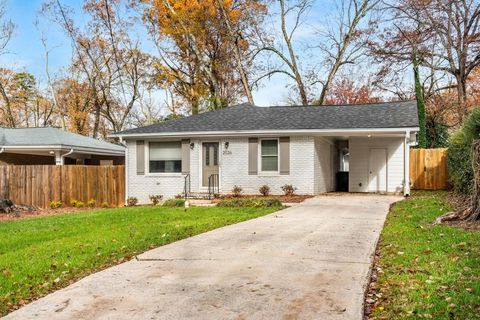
[(344, 91)]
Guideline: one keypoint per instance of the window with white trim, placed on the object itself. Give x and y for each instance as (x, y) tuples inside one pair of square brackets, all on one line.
[(269, 155), (165, 157)]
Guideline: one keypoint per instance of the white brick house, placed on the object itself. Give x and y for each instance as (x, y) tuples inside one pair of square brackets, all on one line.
[(356, 148)]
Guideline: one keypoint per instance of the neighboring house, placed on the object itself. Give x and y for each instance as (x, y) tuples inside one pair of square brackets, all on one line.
[(250, 146), (44, 146)]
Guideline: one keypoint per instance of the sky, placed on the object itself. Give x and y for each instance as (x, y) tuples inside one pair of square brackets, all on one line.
[(26, 52)]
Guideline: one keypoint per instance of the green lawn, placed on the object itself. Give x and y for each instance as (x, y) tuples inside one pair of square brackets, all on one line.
[(429, 272), (39, 255)]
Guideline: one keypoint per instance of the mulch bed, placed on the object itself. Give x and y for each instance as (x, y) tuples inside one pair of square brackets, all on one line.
[(39, 213), (460, 202), (467, 225), (284, 199)]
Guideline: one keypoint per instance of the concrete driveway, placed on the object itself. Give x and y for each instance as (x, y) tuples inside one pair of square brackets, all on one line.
[(309, 261)]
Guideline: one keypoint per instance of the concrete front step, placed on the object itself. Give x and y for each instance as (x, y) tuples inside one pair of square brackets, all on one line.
[(200, 203), (199, 196)]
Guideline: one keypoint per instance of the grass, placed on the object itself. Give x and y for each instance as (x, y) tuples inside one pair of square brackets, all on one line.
[(39, 255), (427, 272)]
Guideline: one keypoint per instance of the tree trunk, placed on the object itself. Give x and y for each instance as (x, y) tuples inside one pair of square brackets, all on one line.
[(462, 96), (293, 59), (236, 51), (10, 118), (96, 120), (475, 216), (422, 134)]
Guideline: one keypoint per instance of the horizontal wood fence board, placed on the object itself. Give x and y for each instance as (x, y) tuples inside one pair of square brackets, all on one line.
[(428, 169), (37, 185)]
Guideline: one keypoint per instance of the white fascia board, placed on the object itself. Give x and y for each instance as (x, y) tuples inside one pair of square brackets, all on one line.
[(95, 151), (325, 132)]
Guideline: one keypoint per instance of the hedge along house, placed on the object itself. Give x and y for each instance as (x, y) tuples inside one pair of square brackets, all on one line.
[(365, 146)]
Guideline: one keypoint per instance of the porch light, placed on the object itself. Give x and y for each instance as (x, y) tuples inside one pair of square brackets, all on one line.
[(227, 144), (369, 136), (192, 145)]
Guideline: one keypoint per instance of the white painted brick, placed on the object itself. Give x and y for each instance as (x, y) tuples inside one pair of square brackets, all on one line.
[(234, 168), (312, 170)]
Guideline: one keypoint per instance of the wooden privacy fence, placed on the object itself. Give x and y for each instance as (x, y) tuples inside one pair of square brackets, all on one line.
[(428, 169), (38, 185)]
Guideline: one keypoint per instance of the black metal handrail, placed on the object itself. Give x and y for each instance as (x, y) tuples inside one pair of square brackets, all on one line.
[(187, 186), (213, 185)]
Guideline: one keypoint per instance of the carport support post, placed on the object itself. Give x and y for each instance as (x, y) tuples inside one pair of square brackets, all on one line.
[(406, 179)]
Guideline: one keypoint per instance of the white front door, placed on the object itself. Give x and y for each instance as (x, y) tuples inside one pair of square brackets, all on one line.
[(209, 161), (377, 170)]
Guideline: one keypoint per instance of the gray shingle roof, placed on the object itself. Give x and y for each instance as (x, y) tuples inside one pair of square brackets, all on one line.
[(49, 136), (246, 117)]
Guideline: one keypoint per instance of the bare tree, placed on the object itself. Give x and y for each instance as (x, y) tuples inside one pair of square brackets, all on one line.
[(456, 26), (110, 60), (445, 36), (341, 43), (296, 11), (235, 38)]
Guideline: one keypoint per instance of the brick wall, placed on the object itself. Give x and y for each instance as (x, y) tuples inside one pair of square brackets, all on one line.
[(233, 170)]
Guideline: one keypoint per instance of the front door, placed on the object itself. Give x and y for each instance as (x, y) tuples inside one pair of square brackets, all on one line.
[(209, 161), (377, 170)]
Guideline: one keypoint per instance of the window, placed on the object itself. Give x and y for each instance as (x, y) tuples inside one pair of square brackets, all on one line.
[(165, 157), (269, 155)]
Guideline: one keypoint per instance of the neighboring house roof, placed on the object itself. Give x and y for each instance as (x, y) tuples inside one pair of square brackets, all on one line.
[(246, 117), (54, 138)]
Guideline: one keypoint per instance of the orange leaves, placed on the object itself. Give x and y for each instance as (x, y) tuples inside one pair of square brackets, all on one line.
[(73, 97), (344, 91)]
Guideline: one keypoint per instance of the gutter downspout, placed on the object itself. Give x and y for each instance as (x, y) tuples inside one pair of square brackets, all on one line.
[(406, 179), (62, 157), (126, 169)]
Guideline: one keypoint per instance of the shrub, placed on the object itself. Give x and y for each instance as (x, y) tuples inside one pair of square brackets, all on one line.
[(155, 198), (92, 203), (132, 201), (77, 203), (459, 154), (174, 203), (105, 204), (237, 191), (179, 196), (55, 204), (264, 190), (250, 202), (288, 189)]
